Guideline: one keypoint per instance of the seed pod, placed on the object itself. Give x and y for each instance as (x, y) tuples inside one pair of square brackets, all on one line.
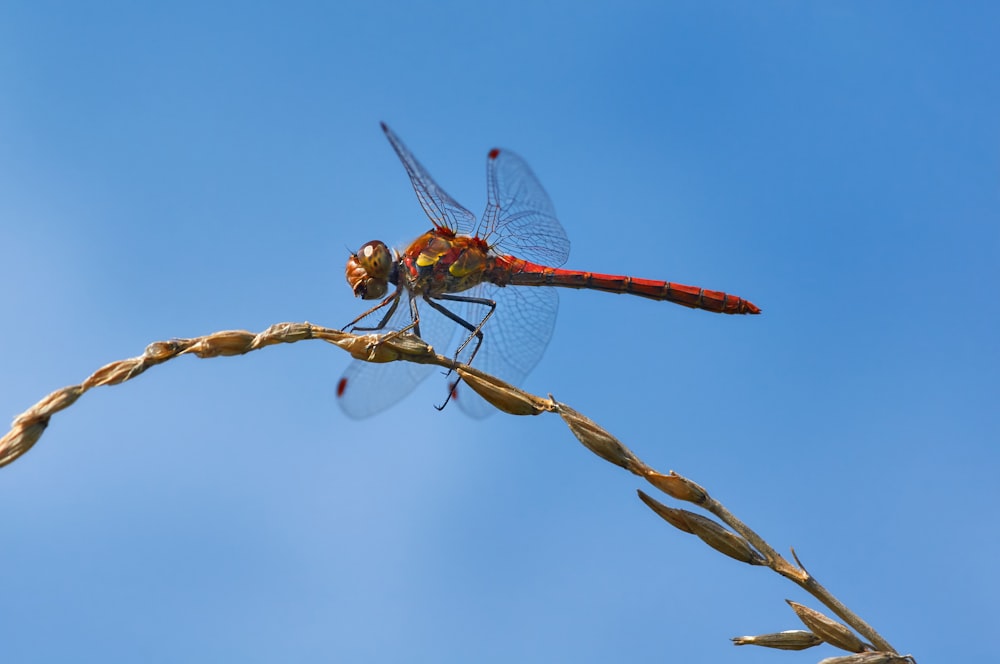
[(868, 658), (671, 515), (722, 540), (502, 395), (21, 438), (677, 487), (792, 639), (835, 633), (226, 343), (383, 348), (597, 440)]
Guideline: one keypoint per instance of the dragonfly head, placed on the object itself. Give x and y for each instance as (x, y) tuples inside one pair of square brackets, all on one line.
[(369, 269)]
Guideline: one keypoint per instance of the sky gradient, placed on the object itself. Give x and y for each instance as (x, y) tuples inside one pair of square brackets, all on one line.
[(170, 172)]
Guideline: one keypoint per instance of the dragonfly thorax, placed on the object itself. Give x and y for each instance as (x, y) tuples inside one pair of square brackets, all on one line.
[(370, 270)]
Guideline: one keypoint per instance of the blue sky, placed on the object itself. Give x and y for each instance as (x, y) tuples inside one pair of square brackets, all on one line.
[(169, 172)]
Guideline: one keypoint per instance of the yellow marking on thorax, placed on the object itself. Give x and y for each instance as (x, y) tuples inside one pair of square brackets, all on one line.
[(466, 263), (432, 252), (426, 260)]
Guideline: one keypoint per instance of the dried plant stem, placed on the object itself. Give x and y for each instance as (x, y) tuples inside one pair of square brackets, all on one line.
[(799, 575), (28, 427), (744, 545)]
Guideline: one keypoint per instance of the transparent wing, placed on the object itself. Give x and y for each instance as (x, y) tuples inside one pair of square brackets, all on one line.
[(520, 218), (367, 388), (514, 338), (439, 206)]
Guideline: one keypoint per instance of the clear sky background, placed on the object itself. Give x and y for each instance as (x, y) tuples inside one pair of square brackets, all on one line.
[(173, 171)]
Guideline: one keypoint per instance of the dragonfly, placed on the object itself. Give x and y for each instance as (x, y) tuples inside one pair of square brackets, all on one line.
[(462, 271)]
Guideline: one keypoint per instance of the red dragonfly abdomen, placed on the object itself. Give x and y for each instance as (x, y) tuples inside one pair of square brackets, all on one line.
[(511, 271)]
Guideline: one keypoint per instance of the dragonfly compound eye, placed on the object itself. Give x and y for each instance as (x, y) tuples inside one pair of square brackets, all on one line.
[(368, 270), (376, 259)]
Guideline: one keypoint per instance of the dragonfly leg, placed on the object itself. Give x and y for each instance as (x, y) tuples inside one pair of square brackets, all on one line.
[(392, 300), (393, 303), (476, 331), (414, 316)]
